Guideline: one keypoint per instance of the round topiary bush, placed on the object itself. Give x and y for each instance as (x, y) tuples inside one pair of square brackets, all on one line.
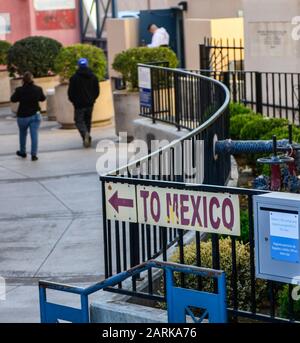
[(243, 270), (66, 61), (4, 47), (237, 123), (127, 62), (35, 54)]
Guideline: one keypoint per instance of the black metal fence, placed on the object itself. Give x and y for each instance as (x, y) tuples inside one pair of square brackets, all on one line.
[(129, 244), (182, 98), (275, 95), (222, 55)]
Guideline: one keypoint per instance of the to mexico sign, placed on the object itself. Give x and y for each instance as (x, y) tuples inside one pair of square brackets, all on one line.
[(172, 208)]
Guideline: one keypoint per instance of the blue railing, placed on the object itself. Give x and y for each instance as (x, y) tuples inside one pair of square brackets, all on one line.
[(180, 301)]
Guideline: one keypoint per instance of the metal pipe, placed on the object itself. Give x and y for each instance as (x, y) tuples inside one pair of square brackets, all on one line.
[(249, 147)]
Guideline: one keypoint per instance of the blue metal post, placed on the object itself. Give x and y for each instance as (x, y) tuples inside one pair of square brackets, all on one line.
[(223, 301), (43, 312), (85, 308), (170, 298)]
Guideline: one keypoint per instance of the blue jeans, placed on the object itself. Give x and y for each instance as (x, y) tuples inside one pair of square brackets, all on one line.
[(33, 123)]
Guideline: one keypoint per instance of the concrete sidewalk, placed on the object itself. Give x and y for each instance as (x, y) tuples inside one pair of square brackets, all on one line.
[(50, 215)]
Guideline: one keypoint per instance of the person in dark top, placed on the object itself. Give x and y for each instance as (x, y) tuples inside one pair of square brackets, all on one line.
[(28, 116), (83, 92)]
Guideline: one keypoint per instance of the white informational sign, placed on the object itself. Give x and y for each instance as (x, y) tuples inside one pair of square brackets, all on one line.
[(144, 78), (284, 237), (5, 26), (284, 225), (121, 202), (171, 208), (54, 5)]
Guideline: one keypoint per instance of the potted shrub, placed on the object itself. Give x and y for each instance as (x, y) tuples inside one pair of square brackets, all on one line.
[(37, 55), (4, 77), (65, 66), (127, 102)]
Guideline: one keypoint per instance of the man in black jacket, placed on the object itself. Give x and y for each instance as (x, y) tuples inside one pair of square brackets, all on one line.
[(83, 92)]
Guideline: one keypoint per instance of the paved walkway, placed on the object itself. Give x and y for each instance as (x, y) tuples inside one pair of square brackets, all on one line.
[(50, 215)]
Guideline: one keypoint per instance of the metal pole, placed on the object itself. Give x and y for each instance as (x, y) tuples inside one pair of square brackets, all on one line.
[(81, 16), (114, 8), (98, 34), (259, 96)]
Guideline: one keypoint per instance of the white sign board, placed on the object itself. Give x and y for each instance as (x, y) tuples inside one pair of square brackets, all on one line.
[(144, 78), (172, 208), (284, 225), (121, 202), (54, 5)]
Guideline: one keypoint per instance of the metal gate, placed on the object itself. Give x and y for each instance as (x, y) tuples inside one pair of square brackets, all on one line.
[(220, 55)]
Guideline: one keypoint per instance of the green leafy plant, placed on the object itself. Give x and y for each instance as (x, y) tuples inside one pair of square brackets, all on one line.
[(238, 109), (127, 62), (238, 122), (35, 54), (243, 270), (259, 127), (283, 300), (244, 226), (66, 61), (4, 47), (283, 133)]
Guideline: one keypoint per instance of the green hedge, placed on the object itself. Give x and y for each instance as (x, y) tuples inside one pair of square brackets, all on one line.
[(243, 270), (283, 133), (66, 61), (4, 48), (239, 121), (238, 108), (34, 54), (247, 125), (126, 62), (244, 226), (256, 129)]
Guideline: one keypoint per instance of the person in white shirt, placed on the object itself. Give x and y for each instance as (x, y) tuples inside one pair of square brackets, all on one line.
[(160, 36)]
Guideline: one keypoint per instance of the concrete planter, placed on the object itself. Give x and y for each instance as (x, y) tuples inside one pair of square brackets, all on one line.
[(103, 109), (4, 86), (44, 82), (127, 109)]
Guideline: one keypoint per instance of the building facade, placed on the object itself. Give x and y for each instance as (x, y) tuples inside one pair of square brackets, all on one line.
[(58, 19)]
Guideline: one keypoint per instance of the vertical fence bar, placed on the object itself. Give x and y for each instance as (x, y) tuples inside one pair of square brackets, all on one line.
[(104, 229), (134, 249), (252, 257), (124, 240), (118, 248), (258, 92)]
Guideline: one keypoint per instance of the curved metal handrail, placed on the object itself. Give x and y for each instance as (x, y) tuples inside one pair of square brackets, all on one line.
[(191, 134)]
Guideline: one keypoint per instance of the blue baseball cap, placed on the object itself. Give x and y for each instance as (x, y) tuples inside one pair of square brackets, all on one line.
[(83, 62)]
